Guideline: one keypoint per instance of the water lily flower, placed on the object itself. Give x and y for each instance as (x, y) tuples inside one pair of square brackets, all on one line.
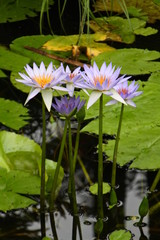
[(127, 92), (101, 82), (42, 80), (67, 107), (71, 79)]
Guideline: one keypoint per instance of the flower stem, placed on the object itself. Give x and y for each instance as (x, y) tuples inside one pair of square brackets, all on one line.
[(42, 193), (76, 146), (100, 160), (54, 184), (71, 174), (155, 182), (113, 180)]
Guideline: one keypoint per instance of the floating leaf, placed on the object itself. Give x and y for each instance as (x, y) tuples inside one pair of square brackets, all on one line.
[(133, 61), (140, 133), (119, 29), (2, 74), (12, 11), (149, 7), (94, 188), (13, 114), (87, 42), (120, 235)]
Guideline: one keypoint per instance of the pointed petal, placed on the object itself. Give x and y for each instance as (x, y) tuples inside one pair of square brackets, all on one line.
[(47, 98), (95, 95), (131, 103), (32, 94), (117, 97), (111, 102), (70, 88), (60, 88)]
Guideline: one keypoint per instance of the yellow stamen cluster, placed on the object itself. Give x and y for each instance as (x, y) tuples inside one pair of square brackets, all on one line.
[(43, 80), (99, 79)]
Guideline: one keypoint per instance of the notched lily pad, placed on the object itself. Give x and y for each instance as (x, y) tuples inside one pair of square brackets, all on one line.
[(94, 188), (120, 235)]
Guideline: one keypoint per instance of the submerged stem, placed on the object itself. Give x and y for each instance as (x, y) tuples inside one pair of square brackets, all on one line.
[(113, 180), (155, 182), (100, 160), (54, 184), (42, 193)]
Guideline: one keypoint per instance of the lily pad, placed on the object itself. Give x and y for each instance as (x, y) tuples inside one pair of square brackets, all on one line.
[(94, 188), (133, 61), (13, 114), (12, 11), (119, 29), (140, 133), (2, 74), (149, 7), (120, 235)]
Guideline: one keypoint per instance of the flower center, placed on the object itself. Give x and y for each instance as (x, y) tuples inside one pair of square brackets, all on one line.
[(43, 80), (123, 91), (99, 79), (72, 75)]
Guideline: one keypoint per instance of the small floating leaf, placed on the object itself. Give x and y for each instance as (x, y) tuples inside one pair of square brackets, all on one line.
[(120, 235), (94, 188)]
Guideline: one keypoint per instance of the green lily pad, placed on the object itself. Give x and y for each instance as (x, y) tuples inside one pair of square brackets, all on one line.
[(2, 74), (94, 188), (140, 133), (133, 61), (11, 200), (12, 11), (13, 114), (119, 29), (149, 8), (120, 235)]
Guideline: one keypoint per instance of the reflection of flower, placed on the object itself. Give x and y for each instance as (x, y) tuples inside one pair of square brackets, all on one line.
[(127, 92), (101, 81), (67, 107), (71, 78), (42, 80)]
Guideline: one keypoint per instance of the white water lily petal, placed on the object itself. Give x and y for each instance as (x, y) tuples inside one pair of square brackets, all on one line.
[(111, 102), (131, 103), (32, 94), (47, 95), (94, 96), (70, 88), (117, 97), (60, 88)]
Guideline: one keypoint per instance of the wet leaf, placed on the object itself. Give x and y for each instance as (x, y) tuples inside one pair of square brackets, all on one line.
[(2, 74), (140, 133), (119, 29), (147, 7), (133, 61), (13, 114), (12, 11), (120, 235)]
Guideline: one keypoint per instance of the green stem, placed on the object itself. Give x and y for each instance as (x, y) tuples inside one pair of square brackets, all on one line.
[(113, 180), (71, 174), (76, 146), (85, 171), (54, 184), (100, 160), (42, 193), (155, 182)]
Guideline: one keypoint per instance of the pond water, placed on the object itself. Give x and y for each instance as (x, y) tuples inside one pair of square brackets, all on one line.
[(133, 184)]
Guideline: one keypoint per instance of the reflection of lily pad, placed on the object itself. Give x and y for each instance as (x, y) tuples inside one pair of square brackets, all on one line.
[(133, 61), (11, 11), (119, 29), (120, 235), (147, 6)]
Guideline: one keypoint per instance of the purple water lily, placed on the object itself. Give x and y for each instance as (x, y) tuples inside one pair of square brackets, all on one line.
[(42, 80), (127, 92), (67, 107), (71, 79), (101, 81)]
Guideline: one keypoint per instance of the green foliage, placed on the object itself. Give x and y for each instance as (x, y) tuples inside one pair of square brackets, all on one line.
[(20, 160), (133, 61), (120, 235), (144, 207), (12, 11), (119, 29), (94, 188), (13, 114), (140, 133)]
